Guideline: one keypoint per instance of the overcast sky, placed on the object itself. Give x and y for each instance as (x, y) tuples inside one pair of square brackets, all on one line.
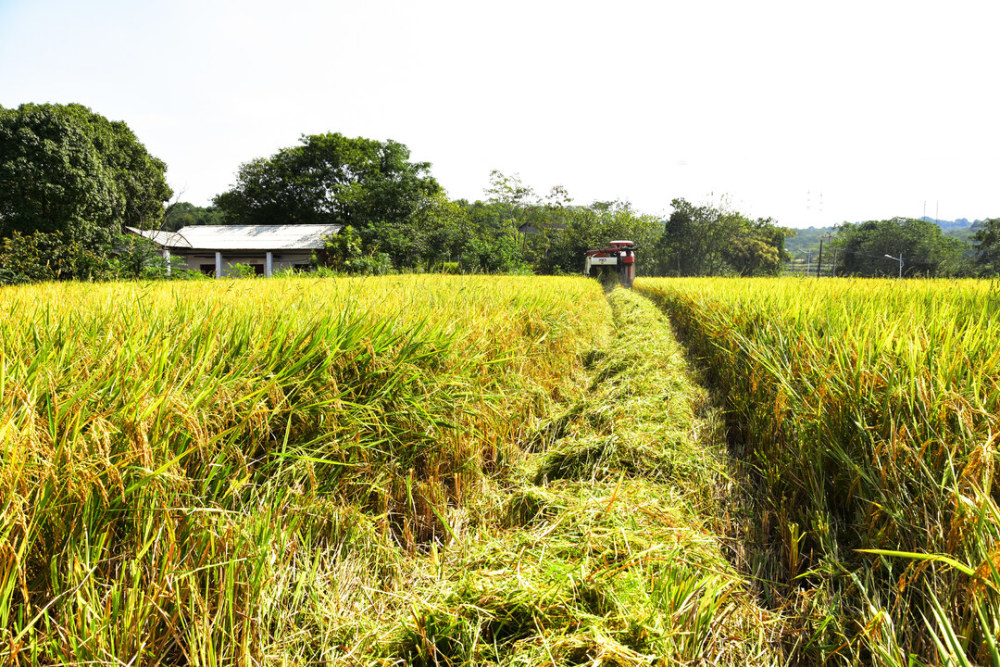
[(809, 112)]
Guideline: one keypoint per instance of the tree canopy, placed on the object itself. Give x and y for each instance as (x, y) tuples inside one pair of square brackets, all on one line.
[(862, 249), (986, 240), (714, 240), (330, 179), (66, 169), (185, 214)]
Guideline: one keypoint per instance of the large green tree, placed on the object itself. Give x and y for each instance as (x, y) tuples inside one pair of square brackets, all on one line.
[(862, 249), (534, 221), (714, 240), (489, 240), (66, 169), (332, 179), (185, 214), (986, 241)]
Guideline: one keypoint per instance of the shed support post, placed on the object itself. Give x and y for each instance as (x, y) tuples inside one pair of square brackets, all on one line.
[(268, 264), (218, 264)]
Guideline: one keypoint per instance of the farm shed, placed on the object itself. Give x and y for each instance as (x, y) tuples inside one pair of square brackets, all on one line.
[(214, 249)]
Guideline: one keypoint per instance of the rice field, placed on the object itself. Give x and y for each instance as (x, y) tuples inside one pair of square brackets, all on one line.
[(479, 470), (384, 471), (868, 413), (215, 473)]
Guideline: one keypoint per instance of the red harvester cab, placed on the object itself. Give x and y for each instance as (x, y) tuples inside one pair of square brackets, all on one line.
[(618, 258)]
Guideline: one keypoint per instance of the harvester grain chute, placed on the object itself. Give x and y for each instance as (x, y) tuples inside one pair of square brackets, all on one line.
[(615, 261)]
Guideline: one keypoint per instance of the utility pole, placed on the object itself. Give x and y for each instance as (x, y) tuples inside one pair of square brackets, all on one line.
[(819, 262), (809, 261), (833, 273)]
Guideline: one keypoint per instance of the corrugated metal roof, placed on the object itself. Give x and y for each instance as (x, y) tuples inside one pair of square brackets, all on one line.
[(244, 237)]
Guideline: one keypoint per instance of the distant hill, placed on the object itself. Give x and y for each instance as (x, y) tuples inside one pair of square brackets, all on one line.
[(961, 223), (961, 229), (806, 240)]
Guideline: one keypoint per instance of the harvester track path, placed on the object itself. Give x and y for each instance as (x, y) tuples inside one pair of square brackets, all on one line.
[(630, 492)]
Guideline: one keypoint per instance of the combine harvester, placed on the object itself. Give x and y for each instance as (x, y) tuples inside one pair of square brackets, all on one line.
[(620, 255)]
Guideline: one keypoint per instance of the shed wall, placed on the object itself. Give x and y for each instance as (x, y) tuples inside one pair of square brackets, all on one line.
[(197, 261)]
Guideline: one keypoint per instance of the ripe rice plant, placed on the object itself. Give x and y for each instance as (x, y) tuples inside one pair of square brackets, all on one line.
[(870, 411), (221, 473)]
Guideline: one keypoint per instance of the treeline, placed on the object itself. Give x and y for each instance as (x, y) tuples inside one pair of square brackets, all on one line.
[(71, 182), (907, 248), (874, 248), (397, 217)]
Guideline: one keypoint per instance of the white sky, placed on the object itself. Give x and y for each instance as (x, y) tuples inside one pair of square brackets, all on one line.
[(809, 112)]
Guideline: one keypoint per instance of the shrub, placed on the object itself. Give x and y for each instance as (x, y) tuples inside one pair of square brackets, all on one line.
[(49, 256)]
